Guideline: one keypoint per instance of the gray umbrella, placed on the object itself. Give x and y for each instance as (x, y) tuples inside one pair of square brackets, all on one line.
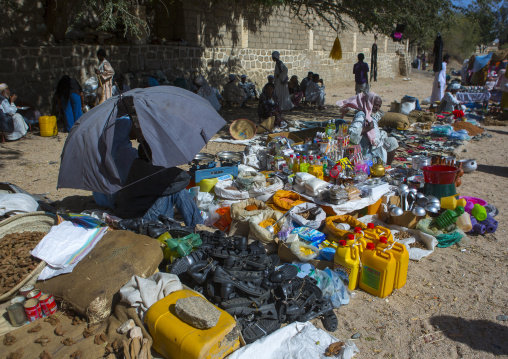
[(175, 122)]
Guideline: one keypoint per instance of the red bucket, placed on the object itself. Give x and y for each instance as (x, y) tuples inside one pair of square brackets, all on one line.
[(439, 174)]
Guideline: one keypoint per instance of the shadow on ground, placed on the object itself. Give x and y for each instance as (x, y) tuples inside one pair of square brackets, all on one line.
[(75, 204), (7, 155), (499, 131), (494, 170), (481, 335)]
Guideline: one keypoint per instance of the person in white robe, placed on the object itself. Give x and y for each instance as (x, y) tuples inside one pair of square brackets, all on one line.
[(438, 88), (9, 108), (281, 83), (315, 92), (205, 91), (449, 102)]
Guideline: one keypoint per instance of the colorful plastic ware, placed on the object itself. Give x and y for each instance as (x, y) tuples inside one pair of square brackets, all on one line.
[(438, 174), (479, 212), (447, 218)]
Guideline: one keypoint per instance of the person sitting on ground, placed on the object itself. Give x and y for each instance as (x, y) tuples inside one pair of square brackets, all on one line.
[(269, 105), (70, 98), (295, 91), (315, 92), (271, 80), (161, 78), (205, 91), (120, 86), (13, 124), (306, 81), (364, 129), (233, 93), (248, 87), (449, 102), (151, 191), (360, 70)]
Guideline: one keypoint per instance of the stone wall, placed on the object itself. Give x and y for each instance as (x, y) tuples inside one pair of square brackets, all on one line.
[(33, 72)]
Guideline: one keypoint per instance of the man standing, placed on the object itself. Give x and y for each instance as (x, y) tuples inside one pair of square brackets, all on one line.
[(105, 73), (439, 86), (281, 82), (360, 69)]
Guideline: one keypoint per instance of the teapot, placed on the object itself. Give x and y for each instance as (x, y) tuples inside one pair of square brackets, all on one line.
[(377, 170)]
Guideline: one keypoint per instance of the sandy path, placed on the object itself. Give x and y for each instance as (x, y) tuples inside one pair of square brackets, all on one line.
[(453, 293)]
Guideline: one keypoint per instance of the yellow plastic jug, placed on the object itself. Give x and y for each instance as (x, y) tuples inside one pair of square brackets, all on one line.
[(47, 125), (375, 232), (378, 272), (401, 255), (178, 340), (347, 261), (361, 239)]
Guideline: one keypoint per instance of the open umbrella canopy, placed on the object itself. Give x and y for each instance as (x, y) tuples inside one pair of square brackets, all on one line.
[(175, 122)]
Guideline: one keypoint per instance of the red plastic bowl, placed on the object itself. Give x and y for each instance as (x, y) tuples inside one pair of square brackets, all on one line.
[(439, 174)]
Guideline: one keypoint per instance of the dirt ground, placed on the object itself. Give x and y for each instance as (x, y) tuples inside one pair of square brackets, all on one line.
[(449, 305)]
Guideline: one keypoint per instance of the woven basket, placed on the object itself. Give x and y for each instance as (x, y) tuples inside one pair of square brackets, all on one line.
[(27, 222), (242, 129)]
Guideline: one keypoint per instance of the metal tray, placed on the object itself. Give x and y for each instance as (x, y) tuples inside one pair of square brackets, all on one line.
[(230, 156), (203, 157)]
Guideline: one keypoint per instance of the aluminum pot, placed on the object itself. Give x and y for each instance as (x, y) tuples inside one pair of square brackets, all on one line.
[(420, 161), (468, 166)]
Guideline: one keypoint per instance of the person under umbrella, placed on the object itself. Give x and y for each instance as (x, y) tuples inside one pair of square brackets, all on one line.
[(364, 129)]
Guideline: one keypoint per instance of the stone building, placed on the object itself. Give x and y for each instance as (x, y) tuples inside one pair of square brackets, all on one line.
[(186, 40)]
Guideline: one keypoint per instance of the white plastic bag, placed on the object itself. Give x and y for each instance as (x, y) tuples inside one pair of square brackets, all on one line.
[(16, 203), (204, 200), (316, 220), (258, 232), (296, 249), (264, 193), (227, 190), (248, 180)]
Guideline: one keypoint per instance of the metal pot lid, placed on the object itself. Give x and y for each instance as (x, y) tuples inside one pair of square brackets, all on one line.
[(204, 157), (230, 156)]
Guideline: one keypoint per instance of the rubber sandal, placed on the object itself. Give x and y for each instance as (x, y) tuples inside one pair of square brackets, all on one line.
[(265, 311), (330, 321), (181, 265), (321, 308), (254, 277), (199, 270), (253, 331), (221, 276), (235, 302), (284, 273)]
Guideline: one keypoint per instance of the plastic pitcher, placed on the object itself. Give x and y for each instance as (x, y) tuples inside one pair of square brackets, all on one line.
[(378, 272), (347, 262), (47, 125)]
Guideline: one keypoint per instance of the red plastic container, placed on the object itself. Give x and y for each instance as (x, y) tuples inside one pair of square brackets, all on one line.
[(439, 174)]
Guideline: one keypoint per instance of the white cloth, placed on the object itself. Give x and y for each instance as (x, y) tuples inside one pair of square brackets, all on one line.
[(64, 246), (448, 102), (439, 79), (20, 126), (315, 93), (281, 86), (8, 108), (383, 143), (16, 203), (472, 97), (294, 341), (207, 92), (142, 293)]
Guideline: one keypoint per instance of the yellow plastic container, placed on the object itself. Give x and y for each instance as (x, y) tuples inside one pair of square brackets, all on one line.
[(361, 239), (401, 255), (47, 125), (375, 232), (177, 340), (452, 202), (207, 184), (316, 171), (378, 272), (347, 261)]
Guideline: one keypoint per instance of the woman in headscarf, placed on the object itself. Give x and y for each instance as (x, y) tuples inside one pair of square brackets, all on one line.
[(269, 105), (105, 73), (69, 95), (439, 86), (364, 129), (449, 102), (205, 91), (295, 91), (281, 82)]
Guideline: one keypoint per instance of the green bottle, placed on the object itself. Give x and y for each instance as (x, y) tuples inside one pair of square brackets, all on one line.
[(447, 218)]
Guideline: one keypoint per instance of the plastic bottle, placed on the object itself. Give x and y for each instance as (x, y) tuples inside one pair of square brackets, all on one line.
[(479, 212), (296, 164), (326, 171), (378, 272), (464, 222), (347, 261), (334, 128), (318, 161), (311, 160), (327, 128), (290, 162), (447, 218), (304, 165)]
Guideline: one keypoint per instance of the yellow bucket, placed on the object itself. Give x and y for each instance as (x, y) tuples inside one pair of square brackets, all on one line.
[(48, 127)]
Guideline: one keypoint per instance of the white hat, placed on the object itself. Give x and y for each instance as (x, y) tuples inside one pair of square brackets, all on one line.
[(3, 86), (454, 86), (276, 54)]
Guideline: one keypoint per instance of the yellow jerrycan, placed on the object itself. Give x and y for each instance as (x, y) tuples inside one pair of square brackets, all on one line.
[(401, 255), (361, 239), (374, 232), (347, 261), (378, 272)]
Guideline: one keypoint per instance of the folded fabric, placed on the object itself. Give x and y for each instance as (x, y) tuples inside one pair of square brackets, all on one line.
[(142, 293), (66, 244)]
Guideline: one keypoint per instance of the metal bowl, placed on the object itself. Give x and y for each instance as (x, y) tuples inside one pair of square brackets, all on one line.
[(434, 200), (396, 211), (230, 156), (468, 166), (419, 211), (423, 202), (308, 150), (432, 209), (203, 157)]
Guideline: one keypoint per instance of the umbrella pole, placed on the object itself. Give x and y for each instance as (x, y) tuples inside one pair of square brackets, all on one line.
[(139, 136)]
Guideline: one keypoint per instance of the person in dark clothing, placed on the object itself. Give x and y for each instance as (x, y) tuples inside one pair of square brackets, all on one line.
[(69, 96), (151, 191), (295, 91), (269, 104), (360, 70)]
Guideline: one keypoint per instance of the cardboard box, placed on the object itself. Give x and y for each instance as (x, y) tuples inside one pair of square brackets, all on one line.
[(407, 219), (287, 256), (291, 136)]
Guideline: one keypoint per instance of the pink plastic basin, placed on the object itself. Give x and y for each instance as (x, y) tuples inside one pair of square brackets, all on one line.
[(475, 200)]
